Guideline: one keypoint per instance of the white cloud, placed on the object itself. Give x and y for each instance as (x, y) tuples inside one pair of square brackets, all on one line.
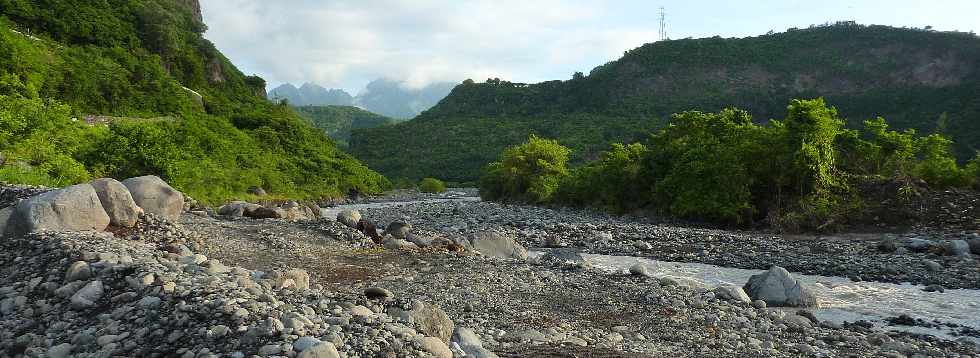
[(344, 43)]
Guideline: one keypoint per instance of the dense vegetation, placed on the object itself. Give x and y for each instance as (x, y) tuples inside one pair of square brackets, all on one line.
[(338, 121), (432, 186), (721, 167), (179, 108), (918, 79)]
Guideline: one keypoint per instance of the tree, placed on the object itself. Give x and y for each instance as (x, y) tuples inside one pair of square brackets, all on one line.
[(528, 172)]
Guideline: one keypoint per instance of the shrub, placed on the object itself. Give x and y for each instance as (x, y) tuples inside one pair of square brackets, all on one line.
[(612, 182), (432, 186), (529, 172)]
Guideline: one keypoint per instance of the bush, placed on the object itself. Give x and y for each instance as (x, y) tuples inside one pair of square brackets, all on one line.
[(612, 182), (530, 172), (432, 186)]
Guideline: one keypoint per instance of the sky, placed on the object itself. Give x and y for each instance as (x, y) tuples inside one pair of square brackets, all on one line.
[(347, 43)]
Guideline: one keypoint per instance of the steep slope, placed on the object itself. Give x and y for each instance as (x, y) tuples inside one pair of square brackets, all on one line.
[(917, 79), (120, 62), (338, 121)]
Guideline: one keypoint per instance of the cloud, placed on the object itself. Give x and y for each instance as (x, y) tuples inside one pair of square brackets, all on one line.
[(347, 43)]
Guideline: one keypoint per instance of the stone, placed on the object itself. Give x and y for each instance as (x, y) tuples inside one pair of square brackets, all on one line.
[(155, 196), (117, 202), (378, 293), (732, 293), (436, 347), (368, 228), (429, 319), (398, 244), (974, 242), (270, 350), (639, 270), (238, 209), (300, 278), (266, 213), (75, 208), (469, 342), (304, 343), (257, 191), (563, 257), (361, 311), (778, 288), (321, 350), (934, 288), (932, 266), (956, 248), (5, 215), (349, 218), (919, 245), (60, 351), (495, 244), (398, 229), (78, 271), (87, 296)]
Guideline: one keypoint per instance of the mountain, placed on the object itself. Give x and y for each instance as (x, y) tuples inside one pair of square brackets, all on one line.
[(123, 88), (383, 96), (338, 121), (919, 79), (311, 95)]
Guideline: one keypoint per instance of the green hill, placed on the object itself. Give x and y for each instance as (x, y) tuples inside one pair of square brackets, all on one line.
[(132, 60), (920, 79), (338, 121)]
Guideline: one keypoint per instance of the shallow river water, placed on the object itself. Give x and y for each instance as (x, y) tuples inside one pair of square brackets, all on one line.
[(841, 299)]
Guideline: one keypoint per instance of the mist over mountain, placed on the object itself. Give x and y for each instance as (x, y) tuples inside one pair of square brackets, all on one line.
[(382, 96)]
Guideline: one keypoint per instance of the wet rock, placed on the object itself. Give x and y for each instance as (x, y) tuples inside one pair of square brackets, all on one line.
[(349, 218), (117, 202), (155, 196), (75, 208), (778, 288)]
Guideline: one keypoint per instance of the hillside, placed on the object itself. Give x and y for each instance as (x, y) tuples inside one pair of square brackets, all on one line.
[(338, 121), (917, 79), (121, 62), (310, 95)]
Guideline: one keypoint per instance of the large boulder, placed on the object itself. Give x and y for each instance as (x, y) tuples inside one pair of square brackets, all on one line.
[(398, 229), (155, 196), (237, 208), (495, 244), (75, 208), (778, 289), (117, 202), (349, 218), (428, 319)]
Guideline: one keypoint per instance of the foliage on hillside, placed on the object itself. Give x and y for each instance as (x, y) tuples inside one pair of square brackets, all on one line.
[(338, 121), (918, 79), (62, 60), (722, 167)]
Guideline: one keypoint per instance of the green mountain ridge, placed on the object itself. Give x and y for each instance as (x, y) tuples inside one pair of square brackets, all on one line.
[(918, 79), (338, 121), (65, 60)]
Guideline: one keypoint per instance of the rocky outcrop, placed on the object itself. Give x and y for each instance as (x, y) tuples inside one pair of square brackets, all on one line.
[(117, 202), (75, 208), (155, 196), (779, 289)]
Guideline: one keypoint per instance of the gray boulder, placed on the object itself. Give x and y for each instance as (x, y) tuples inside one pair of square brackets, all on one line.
[(563, 257), (919, 245), (428, 319), (732, 293), (75, 208), (778, 288), (494, 244), (5, 215), (117, 202), (155, 196), (237, 208), (398, 229), (470, 343), (349, 218), (974, 243), (88, 296), (956, 248), (320, 350)]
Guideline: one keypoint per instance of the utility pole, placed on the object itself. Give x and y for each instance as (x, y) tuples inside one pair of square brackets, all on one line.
[(663, 24)]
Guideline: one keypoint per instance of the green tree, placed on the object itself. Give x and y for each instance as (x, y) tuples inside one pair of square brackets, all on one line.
[(528, 172)]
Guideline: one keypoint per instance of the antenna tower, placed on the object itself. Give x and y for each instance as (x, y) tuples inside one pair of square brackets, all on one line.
[(663, 24)]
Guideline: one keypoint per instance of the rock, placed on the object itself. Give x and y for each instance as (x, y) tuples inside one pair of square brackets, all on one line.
[(305, 343), (934, 288), (563, 257), (237, 208), (349, 218), (257, 191), (778, 288), (321, 350), (155, 196), (5, 215), (399, 244), (117, 202), (639, 270), (87, 296), (732, 293), (78, 271), (470, 343), (438, 348), (956, 248), (361, 311), (266, 213), (398, 229), (60, 351), (270, 350), (430, 320), (919, 245), (495, 244), (378, 293), (932, 266), (974, 242), (75, 208), (760, 304), (300, 278)]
